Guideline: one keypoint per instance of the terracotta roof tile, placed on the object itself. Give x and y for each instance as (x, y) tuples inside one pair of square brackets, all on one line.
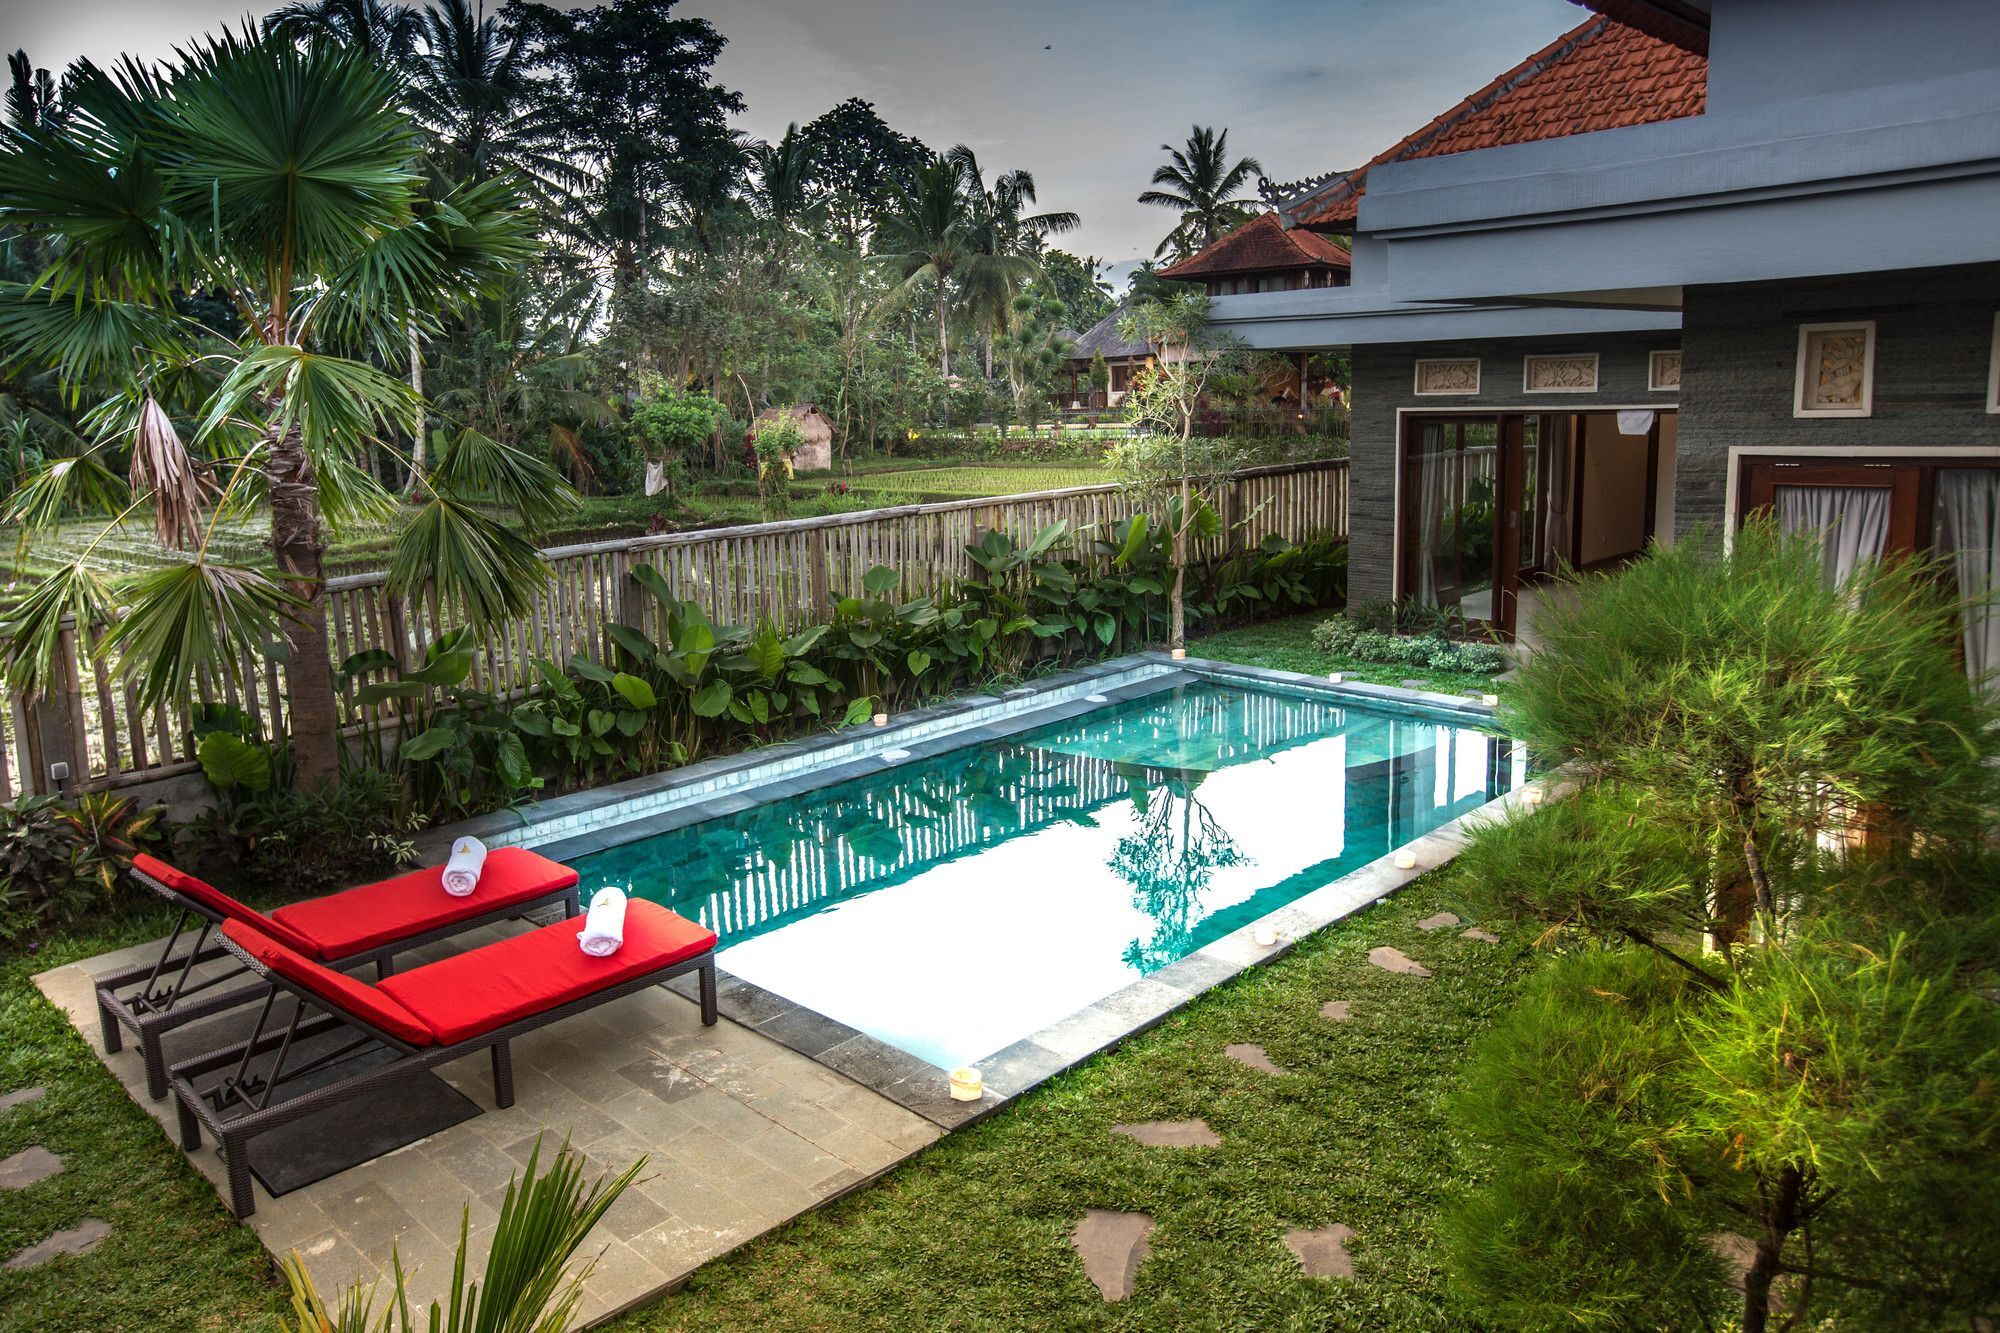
[(1600, 75), (1259, 246)]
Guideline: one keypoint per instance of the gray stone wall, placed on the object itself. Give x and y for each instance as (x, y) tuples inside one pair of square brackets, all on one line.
[(1384, 382), (1740, 345)]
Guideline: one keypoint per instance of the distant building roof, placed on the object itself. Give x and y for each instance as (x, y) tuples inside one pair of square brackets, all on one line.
[(1259, 246), (1102, 338), (1600, 75)]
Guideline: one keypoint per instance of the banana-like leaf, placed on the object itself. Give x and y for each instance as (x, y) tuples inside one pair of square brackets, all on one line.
[(634, 691), (712, 699), (230, 762), (880, 581)]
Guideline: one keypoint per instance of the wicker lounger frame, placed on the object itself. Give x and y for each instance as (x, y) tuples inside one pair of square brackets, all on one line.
[(199, 1108), (164, 998)]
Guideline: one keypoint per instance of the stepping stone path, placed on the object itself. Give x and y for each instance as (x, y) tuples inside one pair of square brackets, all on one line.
[(1334, 1010), (1171, 1133), (1477, 934), (1112, 1245), (21, 1097), (81, 1239), (1246, 1053), (1438, 922), (1395, 960), (27, 1167), (1323, 1252)]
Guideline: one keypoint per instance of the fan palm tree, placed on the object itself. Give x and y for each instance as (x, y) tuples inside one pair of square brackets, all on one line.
[(1202, 185), (281, 179)]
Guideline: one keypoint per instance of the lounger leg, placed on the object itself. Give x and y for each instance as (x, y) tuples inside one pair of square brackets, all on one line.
[(242, 1195), (384, 966), (153, 1044), (190, 1125), (708, 993), (573, 903), (503, 1075), (112, 1030)]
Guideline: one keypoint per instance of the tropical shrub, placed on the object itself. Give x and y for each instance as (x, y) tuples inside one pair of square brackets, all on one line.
[(776, 442), (61, 859), (526, 1285), (1769, 1030), (303, 842), (675, 429), (1343, 637)]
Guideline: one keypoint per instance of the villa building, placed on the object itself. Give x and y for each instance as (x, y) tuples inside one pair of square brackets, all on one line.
[(1693, 261), (1123, 358)]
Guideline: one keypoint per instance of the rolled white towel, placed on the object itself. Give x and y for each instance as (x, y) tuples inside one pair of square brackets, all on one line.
[(604, 925), (461, 871)]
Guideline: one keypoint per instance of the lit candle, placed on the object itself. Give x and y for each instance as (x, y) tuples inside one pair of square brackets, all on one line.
[(1264, 934), (1490, 700), (1179, 654), (1406, 860), (967, 1085), (881, 719), (1532, 795), (1335, 677)]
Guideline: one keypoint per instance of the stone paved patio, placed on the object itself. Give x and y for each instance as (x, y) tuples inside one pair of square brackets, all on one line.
[(741, 1133)]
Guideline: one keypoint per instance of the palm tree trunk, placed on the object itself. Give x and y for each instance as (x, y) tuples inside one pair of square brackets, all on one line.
[(417, 388), (299, 552), (944, 349)]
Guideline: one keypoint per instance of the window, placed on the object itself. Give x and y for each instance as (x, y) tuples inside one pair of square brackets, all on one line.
[(1836, 371)]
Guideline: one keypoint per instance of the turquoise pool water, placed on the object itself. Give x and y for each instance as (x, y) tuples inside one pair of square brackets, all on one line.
[(952, 905)]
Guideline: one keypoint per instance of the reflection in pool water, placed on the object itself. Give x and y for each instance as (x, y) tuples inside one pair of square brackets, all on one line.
[(956, 904)]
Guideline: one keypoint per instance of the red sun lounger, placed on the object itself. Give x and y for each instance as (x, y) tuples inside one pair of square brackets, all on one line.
[(441, 1011), (369, 924)]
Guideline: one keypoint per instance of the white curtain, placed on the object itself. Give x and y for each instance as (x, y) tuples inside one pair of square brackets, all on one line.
[(1431, 460), (1968, 531), (1852, 523)]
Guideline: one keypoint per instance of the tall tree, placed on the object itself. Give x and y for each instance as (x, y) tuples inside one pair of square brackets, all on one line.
[(1006, 231), (386, 32), (937, 239), (1202, 185), (633, 97), (281, 178), (483, 110), (860, 164), (32, 98)]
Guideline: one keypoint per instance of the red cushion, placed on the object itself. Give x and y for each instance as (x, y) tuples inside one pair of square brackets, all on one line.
[(515, 978), (358, 920), (341, 993), (220, 903)]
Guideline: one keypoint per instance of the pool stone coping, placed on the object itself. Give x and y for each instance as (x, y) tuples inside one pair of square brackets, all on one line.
[(581, 823)]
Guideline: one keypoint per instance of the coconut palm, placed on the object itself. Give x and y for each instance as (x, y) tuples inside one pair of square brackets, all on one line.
[(473, 90), (386, 32), (1202, 185), (281, 178), (938, 232), (1007, 231)]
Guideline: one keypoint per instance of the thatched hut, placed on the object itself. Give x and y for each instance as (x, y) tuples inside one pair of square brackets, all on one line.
[(816, 454)]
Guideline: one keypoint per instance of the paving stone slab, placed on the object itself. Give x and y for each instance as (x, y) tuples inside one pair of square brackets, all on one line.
[(1475, 933), (27, 1167), (1322, 1252), (80, 1239), (21, 1097), (1252, 1056), (1112, 1245), (1439, 921), (1395, 960), (1335, 1010), (1171, 1133)]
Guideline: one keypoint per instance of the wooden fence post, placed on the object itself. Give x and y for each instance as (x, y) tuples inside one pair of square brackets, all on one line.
[(57, 758), (818, 576)]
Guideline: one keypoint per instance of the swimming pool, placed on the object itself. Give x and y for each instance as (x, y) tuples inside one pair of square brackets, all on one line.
[(953, 904)]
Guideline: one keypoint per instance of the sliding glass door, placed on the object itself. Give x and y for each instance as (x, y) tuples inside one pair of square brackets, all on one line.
[(1451, 492)]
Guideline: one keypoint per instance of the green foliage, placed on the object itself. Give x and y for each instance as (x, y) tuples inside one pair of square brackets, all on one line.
[(1345, 637), (62, 858), (1793, 775), (674, 425), (309, 841), (526, 1286)]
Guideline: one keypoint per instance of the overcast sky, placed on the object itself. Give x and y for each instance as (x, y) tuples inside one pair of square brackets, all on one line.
[(1080, 94)]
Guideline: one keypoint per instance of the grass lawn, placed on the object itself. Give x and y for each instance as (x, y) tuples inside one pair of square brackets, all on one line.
[(175, 1259), (1286, 645), (972, 1233)]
